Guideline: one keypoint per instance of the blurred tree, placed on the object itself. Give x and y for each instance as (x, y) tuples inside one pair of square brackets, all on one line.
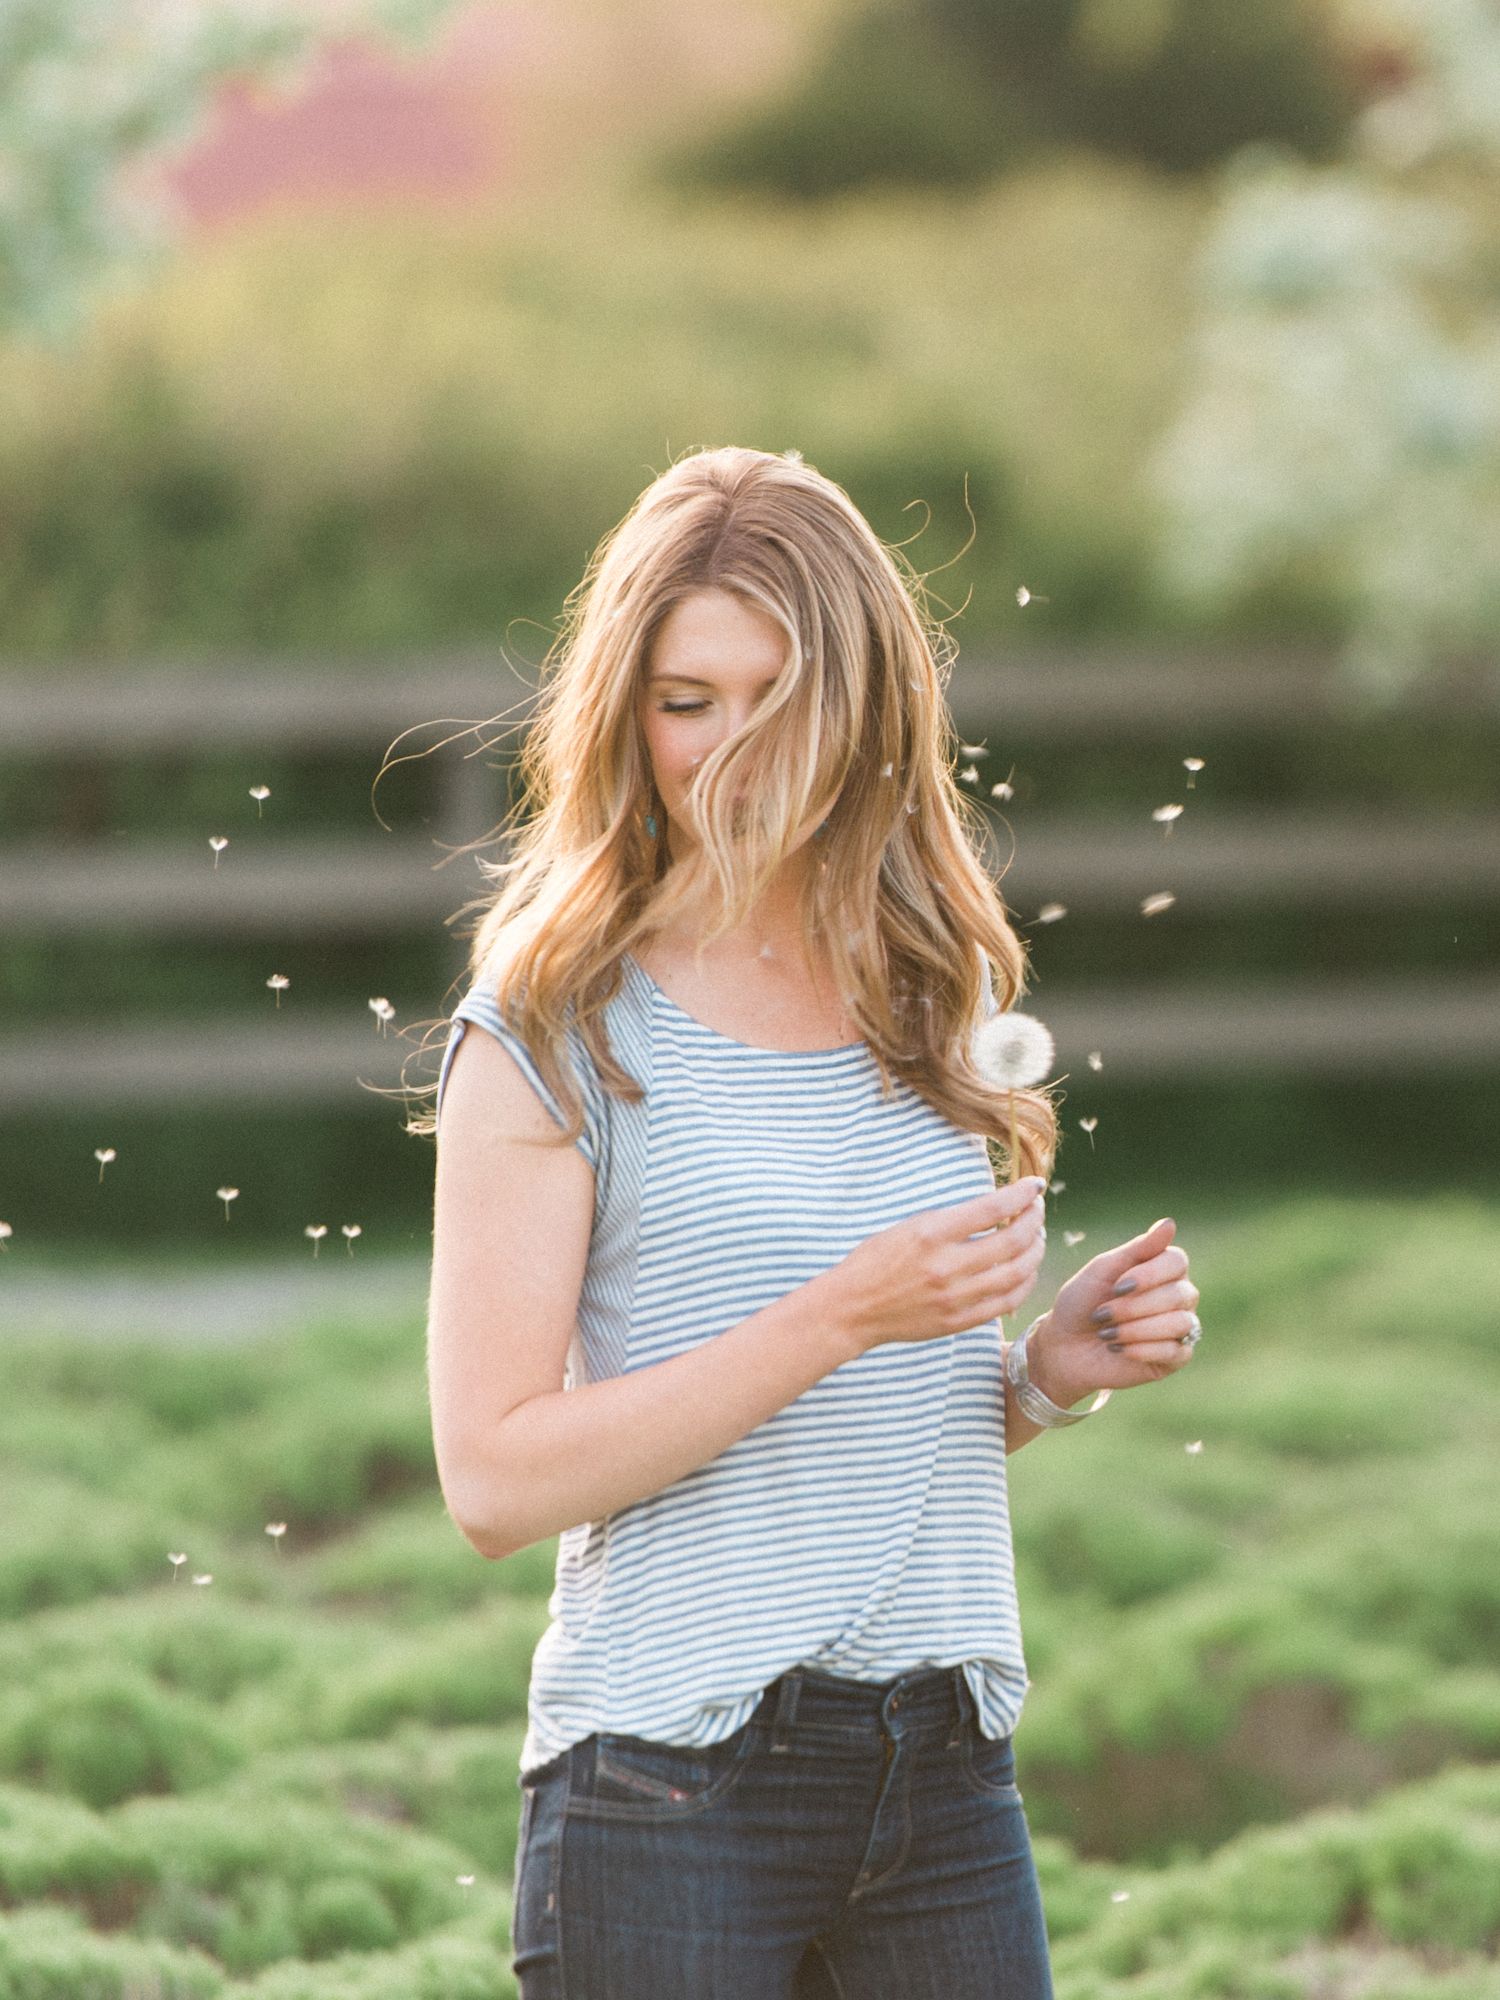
[(1344, 417), (89, 89), (923, 92)]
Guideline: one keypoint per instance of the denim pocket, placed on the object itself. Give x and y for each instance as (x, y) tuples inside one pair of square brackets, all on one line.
[(989, 1766), (629, 1778)]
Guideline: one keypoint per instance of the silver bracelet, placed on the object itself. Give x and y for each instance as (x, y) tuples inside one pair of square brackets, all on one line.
[(1033, 1405)]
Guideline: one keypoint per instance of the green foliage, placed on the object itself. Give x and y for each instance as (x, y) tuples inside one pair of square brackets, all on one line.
[(209, 472), (945, 92), (272, 1784)]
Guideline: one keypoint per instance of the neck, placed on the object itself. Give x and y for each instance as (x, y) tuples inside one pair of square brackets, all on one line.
[(775, 919)]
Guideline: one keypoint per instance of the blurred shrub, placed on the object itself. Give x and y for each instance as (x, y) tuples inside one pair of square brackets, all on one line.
[(945, 92), (472, 1670), (57, 1849), (290, 1879), (459, 1784), (440, 1968), (46, 1955), (414, 1561), (414, 433), (106, 1733), (64, 1544)]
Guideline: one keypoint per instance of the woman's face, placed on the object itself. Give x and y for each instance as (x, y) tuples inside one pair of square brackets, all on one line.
[(715, 659)]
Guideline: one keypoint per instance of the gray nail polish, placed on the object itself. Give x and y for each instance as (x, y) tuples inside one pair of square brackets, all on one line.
[(1102, 1316), (1116, 1347), (1125, 1285)]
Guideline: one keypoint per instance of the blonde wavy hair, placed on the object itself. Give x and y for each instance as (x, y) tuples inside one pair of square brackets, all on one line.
[(855, 732)]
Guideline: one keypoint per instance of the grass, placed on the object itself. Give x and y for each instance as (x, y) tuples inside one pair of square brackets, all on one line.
[(1266, 1710)]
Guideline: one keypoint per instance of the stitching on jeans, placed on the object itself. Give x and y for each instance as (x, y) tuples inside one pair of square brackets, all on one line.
[(555, 1893), (838, 1984)]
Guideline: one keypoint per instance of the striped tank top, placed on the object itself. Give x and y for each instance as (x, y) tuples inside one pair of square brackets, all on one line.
[(862, 1530)]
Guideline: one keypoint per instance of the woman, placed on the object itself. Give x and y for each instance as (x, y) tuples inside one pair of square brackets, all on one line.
[(719, 1259)]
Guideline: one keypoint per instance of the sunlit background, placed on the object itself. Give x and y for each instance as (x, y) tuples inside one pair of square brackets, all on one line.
[(1164, 335)]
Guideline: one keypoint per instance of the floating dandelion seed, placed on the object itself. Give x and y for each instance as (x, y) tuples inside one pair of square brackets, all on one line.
[(970, 776), (1120, 1896), (1192, 765), (316, 1231), (464, 1881), (1051, 913), (1096, 1061), (103, 1154), (6, 1233), (1012, 1052), (1195, 1449), (349, 1230), (276, 1529), (227, 1195), (206, 1578), (176, 1559), (1073, 1237), (1167, 816), (887, 770), (384, 1013), (278, 983), (218, 843), (1091, 1126), (973, 750), (1025, 597), (1154, 905), (1057, 1187), (1004, 790), (260, 793)]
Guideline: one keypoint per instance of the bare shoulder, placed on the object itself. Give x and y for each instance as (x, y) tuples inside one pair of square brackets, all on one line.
[(511, 1226)]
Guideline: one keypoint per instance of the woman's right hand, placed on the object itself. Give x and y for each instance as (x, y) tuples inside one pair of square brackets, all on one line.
[(943, 1271)]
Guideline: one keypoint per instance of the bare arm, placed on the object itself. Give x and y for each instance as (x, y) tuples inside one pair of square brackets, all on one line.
[(518, 1458)]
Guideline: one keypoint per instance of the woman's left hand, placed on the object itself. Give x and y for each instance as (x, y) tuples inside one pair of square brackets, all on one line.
[(1120, 1321)]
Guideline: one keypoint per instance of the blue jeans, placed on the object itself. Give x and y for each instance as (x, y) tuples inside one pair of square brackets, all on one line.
[(851, 1842)]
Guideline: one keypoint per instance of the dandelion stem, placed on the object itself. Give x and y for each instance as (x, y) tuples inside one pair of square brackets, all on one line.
[(1015, 1151)]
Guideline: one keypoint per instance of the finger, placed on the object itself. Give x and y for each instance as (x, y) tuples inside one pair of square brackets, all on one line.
[(1005, 1274), (1141, 1278), (996, 1246), (1161, 1327), (1111, 1265), (988, 1211), (1124, 1314)]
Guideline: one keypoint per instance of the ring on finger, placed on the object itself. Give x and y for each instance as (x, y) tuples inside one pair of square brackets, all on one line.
[(1194, 1334)]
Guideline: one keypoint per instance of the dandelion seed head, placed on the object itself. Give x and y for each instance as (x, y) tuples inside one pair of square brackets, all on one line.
[(1051, 913), (276, 1529), (1154, 905), (205, 1578), (1193, 764), (226, 1195), (103, 1154), (351, 1230), (217, 842), (1002, 790), (278, 983), (384, 1012), (316, 1230), (970, 776), (1096, 1061), (1164, 815), (1088, 1124), (260, 793), (1195, 1449), (1012, 1051), (176, 1558), (1073, 1237), (1023, 597)]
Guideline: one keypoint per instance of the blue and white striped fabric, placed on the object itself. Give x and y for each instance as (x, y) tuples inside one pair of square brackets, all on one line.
[(863, 1530)]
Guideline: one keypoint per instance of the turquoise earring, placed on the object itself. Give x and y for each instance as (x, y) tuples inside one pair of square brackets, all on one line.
[(818, 832), (651, 826)]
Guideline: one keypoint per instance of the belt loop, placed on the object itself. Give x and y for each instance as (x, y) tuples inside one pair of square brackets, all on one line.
[(788, 1695), (963, 1703)]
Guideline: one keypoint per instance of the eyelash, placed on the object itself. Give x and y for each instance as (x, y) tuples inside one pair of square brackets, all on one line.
[(683, 707)]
